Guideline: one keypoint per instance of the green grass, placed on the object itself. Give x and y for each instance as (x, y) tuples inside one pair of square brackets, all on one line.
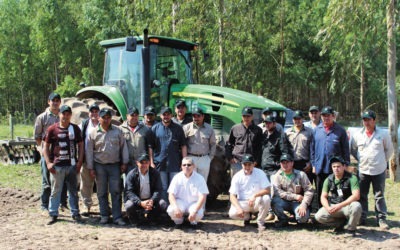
[(20, 130), (25, 177)]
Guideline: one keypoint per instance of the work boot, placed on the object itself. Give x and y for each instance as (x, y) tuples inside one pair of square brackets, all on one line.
[(104, 220), (383, 224), (120, 222), (77, 218), (53, 219)]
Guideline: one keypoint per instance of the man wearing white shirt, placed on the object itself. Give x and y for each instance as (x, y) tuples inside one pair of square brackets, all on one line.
[(187, 195), (249, 193)]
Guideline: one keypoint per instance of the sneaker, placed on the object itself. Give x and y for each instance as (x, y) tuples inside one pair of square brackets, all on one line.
[(383, 224), (104, 220), (339, 229), (260, 227), (281, 224), (53, 219), (77, 218), (246, 223), (120, 222), (270, 217)]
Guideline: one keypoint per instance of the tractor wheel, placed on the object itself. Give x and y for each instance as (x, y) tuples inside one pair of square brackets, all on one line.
[(80, 109), (218, 180)]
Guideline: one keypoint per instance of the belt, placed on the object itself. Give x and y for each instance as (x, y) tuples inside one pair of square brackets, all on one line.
[(115, 163), (197, 155)]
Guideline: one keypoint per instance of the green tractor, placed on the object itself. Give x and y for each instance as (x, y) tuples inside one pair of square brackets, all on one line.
[(156, 70)]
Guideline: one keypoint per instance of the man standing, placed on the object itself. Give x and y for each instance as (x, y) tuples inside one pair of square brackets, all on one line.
[(339, 198), (372, 147), (244, 138), (107, 157), (143, 192), (301, 137), (180, 110), (43, 121), (187, 195), (87, 181), (315, 117), (201, 142), (60, 145), (149, 118), (293, 193), (330, 139), (169, 148), (266, 112), (249, 193), (139, 138)]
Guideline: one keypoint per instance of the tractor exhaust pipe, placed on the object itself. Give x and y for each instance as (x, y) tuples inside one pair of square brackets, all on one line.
[(145, 83)]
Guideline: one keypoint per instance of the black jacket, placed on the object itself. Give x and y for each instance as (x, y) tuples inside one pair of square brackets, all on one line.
[(132, 186), (273, 146)]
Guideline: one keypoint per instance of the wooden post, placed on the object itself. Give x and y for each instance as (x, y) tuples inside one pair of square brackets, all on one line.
[(11, 127)]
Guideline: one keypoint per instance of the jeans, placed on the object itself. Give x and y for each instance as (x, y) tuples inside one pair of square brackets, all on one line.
[(108, 179), (378, 187), (87, 183), (46, 186), (280, 205), (166, 178), (66, 174)]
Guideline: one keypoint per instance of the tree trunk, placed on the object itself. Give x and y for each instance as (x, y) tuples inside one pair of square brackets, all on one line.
[(362, 85), (394, 170), (221, 11), (282, 62), (174, 11)]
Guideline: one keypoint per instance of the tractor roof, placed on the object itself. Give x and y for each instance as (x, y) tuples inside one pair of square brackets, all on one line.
[(161, 40)]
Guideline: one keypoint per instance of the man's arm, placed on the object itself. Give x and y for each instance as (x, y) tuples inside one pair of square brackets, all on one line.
[(81, 153), (235, 202), (213, 144), (260, 193), (46, 154), (184, 151)]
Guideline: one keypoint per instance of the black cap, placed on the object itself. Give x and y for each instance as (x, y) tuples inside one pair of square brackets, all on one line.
[(247, 111), (327, 110), (298, 114), (267, 110), (94, 106), (65, 108), (368, 114), (133, 110), (149, 110), (336, 158), (180, 102), (104, 112), (54, 95), (197, 111), (313, 108), (143, 157), (248, 158), (286, 157), (269, 118), (165, 109)]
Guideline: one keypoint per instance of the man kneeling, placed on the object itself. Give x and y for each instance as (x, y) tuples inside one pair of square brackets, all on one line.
[(142, 192), (293, 193), (249, 193), (187, 195), (339, 198)]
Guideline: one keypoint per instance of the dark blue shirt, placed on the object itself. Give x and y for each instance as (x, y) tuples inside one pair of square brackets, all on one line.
[(167, 146), (326, 145)]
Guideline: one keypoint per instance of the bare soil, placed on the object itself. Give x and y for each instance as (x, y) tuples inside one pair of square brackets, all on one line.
[(24, 226)]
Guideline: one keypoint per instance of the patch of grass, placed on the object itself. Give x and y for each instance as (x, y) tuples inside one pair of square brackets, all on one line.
[(20, 130), (25, 177), (392, 200)]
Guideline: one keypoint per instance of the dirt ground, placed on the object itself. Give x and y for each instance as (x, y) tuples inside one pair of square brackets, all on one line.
[(23, 226)]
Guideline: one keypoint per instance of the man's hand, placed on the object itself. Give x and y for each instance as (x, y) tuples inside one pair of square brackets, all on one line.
[(308, 168), (147, 204), (313, 170), (240, 213), (233, 160), (301, 210), (299, 198), (123, 168), (334, 208), (92, 173), (252, 201), (192, 216), (178, 213), (50, 167)]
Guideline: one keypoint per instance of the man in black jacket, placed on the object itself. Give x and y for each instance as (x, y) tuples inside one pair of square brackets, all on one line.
[(143, 192)]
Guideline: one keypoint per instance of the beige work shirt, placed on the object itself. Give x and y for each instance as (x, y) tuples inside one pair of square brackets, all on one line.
[(200, 140)]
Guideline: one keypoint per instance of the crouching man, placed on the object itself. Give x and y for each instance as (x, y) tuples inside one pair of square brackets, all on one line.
[(249, 193), (339, 198), (142, 193), (187, 195), (293, 193)]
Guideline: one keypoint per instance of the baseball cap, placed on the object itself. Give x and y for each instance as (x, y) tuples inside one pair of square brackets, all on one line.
[(247, 111), (65, 108), (313, 108), (298, 114), (248, 158), (267, 110), (197, 111), (133, 110), (143, 157), (165, 109), (269, 118), (336, 158), (149, 110), (368, 114), (104, 112), (94, 106), (54, 95), (327, 110), (286, 157), (180, 102)]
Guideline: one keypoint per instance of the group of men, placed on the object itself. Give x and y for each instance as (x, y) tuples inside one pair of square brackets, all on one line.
[(166, 165)]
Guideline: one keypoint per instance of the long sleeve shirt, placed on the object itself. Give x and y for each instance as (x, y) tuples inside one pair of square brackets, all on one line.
[(200, 139), (301, 142)]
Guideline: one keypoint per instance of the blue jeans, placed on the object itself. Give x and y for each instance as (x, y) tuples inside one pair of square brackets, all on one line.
[(46, 187), (68, 175), (378, 187), (279, 206), (166, 178), (108, 179)]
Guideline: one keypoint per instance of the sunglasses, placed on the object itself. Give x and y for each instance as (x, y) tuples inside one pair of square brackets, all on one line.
[(186, 165)]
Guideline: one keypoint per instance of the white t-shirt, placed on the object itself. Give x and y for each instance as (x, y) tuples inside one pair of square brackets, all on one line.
[(144, 186), (244, 186), (188, 189)]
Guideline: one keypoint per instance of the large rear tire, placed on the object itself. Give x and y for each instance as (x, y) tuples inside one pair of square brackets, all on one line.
[(218, 179)]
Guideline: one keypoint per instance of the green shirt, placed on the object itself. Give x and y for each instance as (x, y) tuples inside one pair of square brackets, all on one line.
[(354, 185)]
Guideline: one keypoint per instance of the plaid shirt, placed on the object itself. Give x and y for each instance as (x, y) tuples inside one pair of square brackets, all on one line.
[(286, 188)]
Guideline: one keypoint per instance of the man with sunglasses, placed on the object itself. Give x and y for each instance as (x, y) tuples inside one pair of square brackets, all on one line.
[(201, 142), (315, 117), (181, 117), (187, 195)]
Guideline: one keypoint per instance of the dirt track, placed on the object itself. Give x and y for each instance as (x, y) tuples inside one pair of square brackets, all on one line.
[(23, 226)]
